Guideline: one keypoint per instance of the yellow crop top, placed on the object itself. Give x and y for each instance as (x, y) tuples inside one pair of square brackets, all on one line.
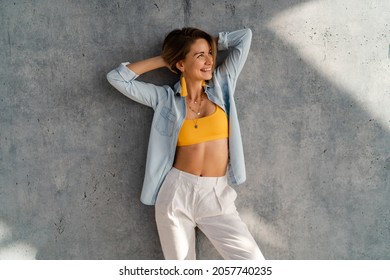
[(212, 127)]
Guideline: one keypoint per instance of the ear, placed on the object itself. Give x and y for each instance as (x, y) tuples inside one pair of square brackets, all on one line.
[(180, 65)]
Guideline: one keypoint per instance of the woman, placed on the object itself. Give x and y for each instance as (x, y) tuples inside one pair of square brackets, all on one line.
[(195, 145)]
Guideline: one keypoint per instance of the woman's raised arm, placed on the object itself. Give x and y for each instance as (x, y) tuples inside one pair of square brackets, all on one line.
[(147, 65), (123, 78)]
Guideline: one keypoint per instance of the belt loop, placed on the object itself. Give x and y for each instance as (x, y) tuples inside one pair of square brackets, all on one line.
[(180, 173), (219, 181)]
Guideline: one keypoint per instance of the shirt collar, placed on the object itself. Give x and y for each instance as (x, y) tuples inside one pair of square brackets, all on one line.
[(177, 87)]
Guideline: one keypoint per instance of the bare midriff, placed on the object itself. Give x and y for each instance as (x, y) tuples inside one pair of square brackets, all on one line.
[(207, 159)]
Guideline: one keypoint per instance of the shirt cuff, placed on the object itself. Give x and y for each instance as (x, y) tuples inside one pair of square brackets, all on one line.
[(222, 41), (126, 73)]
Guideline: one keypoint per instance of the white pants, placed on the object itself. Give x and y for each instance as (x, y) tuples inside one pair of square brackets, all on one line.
[(186, 201)]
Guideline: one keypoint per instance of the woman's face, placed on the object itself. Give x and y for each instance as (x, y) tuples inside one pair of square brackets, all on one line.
[(198, 63)]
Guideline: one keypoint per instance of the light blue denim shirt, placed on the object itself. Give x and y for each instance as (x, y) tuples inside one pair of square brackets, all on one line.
[(170, 110)]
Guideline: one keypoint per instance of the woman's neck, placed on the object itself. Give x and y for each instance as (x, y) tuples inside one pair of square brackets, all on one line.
[(194, 89)]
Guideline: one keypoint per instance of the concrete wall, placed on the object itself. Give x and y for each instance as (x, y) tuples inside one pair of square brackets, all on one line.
[(313, 108)]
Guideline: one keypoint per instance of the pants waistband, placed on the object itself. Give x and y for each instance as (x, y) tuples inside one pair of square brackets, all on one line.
[(196, 180)]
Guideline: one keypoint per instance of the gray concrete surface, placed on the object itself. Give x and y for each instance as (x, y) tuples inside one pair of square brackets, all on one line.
[(312, 100)]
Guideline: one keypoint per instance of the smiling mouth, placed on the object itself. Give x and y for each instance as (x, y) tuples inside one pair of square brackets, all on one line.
[(206, 70)]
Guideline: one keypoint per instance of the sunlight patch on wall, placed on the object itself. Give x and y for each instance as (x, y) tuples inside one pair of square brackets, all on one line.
[(348, 42), (14, 250), (261, 231), (18, 251)]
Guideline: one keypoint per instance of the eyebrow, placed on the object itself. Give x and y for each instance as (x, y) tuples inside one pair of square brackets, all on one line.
[(202, 52), (195, 54)]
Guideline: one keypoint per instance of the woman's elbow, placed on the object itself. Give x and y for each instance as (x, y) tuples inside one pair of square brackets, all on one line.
[(110, 75), (249, 33)]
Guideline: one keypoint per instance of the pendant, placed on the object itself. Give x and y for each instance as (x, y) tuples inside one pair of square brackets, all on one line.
[(196, 126)]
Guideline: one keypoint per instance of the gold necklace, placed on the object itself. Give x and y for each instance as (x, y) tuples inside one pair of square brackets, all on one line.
[(195, 121)]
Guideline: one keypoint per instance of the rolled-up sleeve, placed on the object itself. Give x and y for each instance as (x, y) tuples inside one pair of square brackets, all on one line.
[(238, 43), (124, 80)]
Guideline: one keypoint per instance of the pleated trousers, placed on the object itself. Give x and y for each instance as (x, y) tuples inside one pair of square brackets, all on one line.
[(186, 201)]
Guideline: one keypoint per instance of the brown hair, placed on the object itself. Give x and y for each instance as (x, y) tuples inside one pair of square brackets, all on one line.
[(177, 45)]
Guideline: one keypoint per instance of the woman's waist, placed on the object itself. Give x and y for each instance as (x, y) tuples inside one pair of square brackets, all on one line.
[(196, 179), (205, 159)]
